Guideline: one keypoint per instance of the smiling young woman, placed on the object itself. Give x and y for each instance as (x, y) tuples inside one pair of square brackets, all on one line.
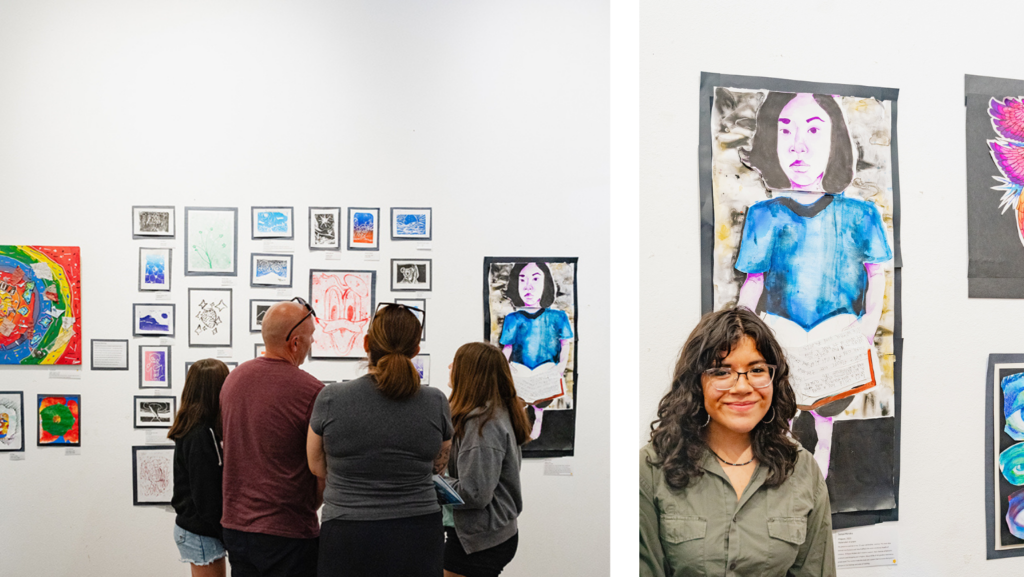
[(723, 487)]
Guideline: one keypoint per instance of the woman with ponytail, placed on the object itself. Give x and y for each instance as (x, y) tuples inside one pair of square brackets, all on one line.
[(490, 429), (378, 440)]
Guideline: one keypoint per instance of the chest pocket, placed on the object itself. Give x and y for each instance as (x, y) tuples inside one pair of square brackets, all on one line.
[(682, 538), (787, 535)]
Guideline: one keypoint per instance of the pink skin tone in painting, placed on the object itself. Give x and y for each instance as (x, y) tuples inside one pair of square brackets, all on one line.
[(531, 289)]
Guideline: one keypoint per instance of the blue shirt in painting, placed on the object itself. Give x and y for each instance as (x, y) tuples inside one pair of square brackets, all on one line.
[(813, 256), (536, 337)]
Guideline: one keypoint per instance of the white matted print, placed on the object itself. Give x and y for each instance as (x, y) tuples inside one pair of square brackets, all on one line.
[(273, 222), (12, 421), (153, 320), (411, 223), (155, 412), (211, 241), (344, 304), (419, 304), (257, 309), (152, 221), (411, 274), (209, 317), (153, 475), (422, 364), (154, 269), (154, 367), (363, 228), (270, 270), (324, 228)]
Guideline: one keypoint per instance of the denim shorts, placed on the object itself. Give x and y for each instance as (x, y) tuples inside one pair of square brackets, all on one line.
[(198, 549)]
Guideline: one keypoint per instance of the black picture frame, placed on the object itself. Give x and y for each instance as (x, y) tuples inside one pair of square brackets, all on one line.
[(135, 471), (135, 327), (277, 255), (229, 323), (254, 326), (188, 241), (170, 420), (22, 423), (291, 220), (137, 235), (422, 305), (337, 227), (430, 223), (167, 366), (348, 228), (39, 428), (397, 285), (323, 316), (168, 272), (997, 489), (92, 355)]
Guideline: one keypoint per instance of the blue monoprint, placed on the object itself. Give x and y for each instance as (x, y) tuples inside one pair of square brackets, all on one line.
[(272, 221), (411, 225), (1013, 404), (148, 323), (272, 268), (155, 268)]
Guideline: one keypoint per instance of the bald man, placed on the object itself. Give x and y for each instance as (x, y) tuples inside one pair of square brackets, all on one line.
[(270, 496)]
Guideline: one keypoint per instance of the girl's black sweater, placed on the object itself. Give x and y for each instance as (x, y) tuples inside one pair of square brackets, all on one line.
[(198, 466)]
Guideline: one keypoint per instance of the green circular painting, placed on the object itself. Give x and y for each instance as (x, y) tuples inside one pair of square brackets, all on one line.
[(57, 419)]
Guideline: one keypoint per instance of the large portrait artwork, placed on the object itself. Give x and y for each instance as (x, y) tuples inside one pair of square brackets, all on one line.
[(344, 303), (530, 313), (800, 223)]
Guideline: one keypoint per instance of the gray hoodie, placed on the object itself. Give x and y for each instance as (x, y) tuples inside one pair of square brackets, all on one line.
[(486, 470)]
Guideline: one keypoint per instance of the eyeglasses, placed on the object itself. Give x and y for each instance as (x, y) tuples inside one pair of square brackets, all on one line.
[(724, 378), (419, 313), (302, 302)]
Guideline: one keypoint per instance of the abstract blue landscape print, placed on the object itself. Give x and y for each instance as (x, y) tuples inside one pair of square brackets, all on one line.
[(158, 322), (272, 270), (411, 225), (272, 221)]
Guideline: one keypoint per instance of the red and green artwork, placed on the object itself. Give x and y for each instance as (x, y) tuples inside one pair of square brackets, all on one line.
[(59, 419), (40, 305)]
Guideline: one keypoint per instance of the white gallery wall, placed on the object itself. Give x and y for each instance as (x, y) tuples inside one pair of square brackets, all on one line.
[(924, 50), (495, 115)]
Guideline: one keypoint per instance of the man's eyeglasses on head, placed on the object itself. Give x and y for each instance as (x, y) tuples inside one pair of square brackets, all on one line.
[(302, 302)]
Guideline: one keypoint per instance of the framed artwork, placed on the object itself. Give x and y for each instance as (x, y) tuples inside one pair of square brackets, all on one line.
[(258, 350), (344, 302), (270, 270), (272, 222), (363, 228), (807, 234), (1004, 456), (410, 224), (59, 420), (420, 304), (153, 320), (422, 364), (232, 365), (152, 222), (109, 354), (209, 317), (324, 228), (154, 366), (258, 308), (41, 311), (152, 475), (211, 241), (12, 421), (411, 274), (155, 412), (154, 269), (530, 311)]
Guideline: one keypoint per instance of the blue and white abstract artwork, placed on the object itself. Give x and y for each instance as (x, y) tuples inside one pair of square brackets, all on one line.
[(155, 269), (272, 270), (411, 225), (272, 221)]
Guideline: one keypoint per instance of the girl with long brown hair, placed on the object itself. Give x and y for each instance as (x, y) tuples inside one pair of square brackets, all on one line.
[(490, 428), (378, 440), (198, 470)]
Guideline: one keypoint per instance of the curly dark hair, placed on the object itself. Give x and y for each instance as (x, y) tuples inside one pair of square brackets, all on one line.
[(679, 435)]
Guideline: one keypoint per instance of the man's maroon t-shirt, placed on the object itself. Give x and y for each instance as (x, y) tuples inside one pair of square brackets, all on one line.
[(265, 406)]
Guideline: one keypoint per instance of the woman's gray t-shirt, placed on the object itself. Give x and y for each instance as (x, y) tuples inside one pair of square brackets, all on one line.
[(380, 452)]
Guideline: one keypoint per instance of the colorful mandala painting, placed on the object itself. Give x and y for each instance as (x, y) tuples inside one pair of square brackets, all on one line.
[(1008, 153), (40, 305)]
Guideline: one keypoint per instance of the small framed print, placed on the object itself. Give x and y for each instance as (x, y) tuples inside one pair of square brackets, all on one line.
[(152, 475), (211, 241), (257, 309), (109, 354), (411, 274), (324, 228), (270, 270), (232, 365), (152, 222), (154, 269), (153, 320), (258, 350), (363, 229), (209, 317), (272, 222), (155, 412), (12, 421), (422, 364), (154, 367), (410, 223), (420, 304), (59, 420)]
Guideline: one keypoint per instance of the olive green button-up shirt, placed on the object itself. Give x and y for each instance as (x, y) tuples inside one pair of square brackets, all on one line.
[(703, 530)]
